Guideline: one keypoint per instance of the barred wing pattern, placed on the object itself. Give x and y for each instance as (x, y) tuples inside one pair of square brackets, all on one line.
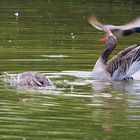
[(33, 79), (125, 63)]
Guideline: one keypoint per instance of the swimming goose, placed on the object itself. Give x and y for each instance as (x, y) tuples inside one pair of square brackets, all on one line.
[(122, 66), (119, 31), (33, 79)]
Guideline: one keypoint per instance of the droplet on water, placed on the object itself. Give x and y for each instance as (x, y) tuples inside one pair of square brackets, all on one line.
[(16, 14), (73, 37)]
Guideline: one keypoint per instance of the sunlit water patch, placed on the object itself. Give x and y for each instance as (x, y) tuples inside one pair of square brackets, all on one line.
[(77, 80), (63, 81), (54, 56)]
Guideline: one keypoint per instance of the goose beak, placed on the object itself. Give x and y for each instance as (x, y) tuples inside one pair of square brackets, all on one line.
[(102, 40)]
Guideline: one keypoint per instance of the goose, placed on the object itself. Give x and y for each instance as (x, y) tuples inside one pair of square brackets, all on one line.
[(122, 66), (119, 31), (33, 79)]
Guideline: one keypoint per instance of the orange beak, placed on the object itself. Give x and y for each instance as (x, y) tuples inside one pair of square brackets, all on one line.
[(102, 40)]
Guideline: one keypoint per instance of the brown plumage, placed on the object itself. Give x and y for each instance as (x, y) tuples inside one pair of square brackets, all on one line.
[(33, 79), (121, 66), (123, 59)]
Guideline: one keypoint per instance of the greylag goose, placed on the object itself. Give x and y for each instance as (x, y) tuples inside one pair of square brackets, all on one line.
[(122, 66), (33, 79), (119, 31)]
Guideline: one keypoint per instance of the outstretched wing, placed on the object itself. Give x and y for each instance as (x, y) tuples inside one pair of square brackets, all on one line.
[(118, 31), (125, 63), (95, 23), (130, 25)]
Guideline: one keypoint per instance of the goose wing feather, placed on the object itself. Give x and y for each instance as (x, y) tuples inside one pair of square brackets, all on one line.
[(118, 31), (95, 23), (130, 25), (125, 63)]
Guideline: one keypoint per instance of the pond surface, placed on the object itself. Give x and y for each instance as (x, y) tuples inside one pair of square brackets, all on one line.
[(54, 37)]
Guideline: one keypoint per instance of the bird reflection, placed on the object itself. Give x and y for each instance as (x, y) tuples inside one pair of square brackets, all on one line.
[(123, 86)]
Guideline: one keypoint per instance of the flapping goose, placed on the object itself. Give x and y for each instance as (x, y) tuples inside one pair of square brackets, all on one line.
[(122, 66), (119, 31), (33, 79)]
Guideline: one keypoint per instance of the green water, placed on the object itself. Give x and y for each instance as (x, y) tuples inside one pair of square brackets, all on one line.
[(54, 37)]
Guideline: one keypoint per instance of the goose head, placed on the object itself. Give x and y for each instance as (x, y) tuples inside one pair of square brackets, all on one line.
[(109, 39)]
